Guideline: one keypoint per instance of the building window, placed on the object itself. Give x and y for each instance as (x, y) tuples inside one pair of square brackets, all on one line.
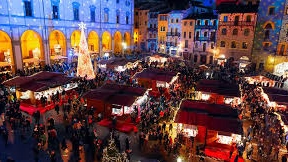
[(244, 45), (233, 44), (206, 23), (127, 17), (222, 44), (204, 47), (205, 34), (266, 35), (198, 22), (190, 35), (28, 8), (186, 44), (266, 45), (184, 35), (246, 32), (136, 13), (235, 32), (191, 23), (271, 11), (195, 58), (214, 23), (212, 45), (117, 16), (225, 18), (248, 18), (106, 14), (185, 23), (76, 6), (55, 11), (92, 13), (172, 20), (176, 20), (117, 1), (224, 31)]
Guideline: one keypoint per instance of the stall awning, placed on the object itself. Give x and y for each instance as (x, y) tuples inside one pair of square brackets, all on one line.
[(17, 81), (35, 87)]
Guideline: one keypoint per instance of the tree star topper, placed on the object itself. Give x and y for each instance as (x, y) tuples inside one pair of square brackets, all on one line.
[(82, 26)]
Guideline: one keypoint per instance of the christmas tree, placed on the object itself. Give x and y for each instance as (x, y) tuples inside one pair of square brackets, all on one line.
[(111, 153), (84, 68)]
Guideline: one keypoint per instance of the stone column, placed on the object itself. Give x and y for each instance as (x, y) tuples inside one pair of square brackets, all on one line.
[(112, 48), (46, 52), (17, 54), (100, 47)]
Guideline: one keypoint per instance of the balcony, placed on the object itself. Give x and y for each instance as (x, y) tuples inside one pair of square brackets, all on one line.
[(205, 27), (152, 29), (170, 44), (236, 23), (205, 38), (173, 34)]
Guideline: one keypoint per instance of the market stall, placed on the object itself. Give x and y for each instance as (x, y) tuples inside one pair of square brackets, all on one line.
[(160, 59), (217, 126), (215, 91), (261, 80), (121, 101), (117, 64), (30, 89), (155, 78)]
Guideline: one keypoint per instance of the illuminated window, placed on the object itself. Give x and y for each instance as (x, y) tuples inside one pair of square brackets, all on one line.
[(92, 13), (233, 44), (235, 32), (224, 31), (106, 14), (246, 32), (244, 45), (27, 8), (271, 11), (117, 16), (76, 6), (222, 44)]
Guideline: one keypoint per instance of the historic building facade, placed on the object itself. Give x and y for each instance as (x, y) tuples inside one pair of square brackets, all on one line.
[(187, 37), (235, 33), (266, 51), (162, 30), (173, 34), (142, 20), (204, 38), (37, 31)]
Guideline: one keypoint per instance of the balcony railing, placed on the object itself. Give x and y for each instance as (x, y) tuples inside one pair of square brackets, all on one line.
[(153, 29), (173, 34), (236, 23), (205, 38), (205, 27)]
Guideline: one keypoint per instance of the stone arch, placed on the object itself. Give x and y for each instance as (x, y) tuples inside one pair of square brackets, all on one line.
[(6, 52), (117, 43), (93, 42), (75, 39), (269, 25), (57, 43), (32, 48), (106, 42), (127, 40)]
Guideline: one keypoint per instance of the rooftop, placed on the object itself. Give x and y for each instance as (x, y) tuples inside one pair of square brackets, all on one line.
[(234, 8)]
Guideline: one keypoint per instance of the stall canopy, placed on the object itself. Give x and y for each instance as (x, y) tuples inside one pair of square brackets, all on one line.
[(213, 116), (280, 96), (216, 86), (156, 75), (40, 81), (116, 94)]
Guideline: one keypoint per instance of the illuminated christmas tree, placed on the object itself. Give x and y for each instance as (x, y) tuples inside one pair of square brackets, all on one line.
[(84, 68), (111, 153)]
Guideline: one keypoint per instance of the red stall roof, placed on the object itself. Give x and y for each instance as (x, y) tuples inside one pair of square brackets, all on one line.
[(214, 117), (39, 81), (216, 86), (156, 74), (116, 94)]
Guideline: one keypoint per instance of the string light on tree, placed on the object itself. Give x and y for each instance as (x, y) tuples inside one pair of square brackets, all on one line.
[(84, 68)]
